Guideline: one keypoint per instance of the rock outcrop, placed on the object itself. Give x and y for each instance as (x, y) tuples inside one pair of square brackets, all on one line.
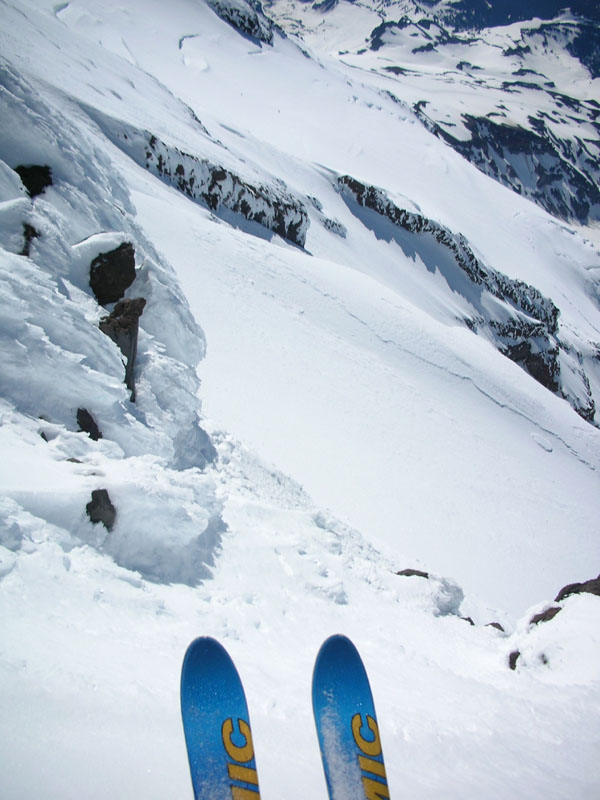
[(545, 616), (112, 273), (246, 17), (590, 587), (35, 177), (29, 234), (122, 327), (87, 424), (413, 573), (101, 509), (214, 185), (524, 325), (561, 175)]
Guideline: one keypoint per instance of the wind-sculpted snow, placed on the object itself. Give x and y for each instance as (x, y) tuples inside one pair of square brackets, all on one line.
[(212, 184), (57, 363), (523, 324)]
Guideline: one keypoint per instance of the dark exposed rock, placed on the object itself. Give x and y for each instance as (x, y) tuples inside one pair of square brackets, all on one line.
[(542, 364), (269, 205), (396, 71), (325, 5), (112, 273), (216, 186), (87, 424), (495, 625), (29, 234), (35, 177), (425, 30), (469, 620), (413, 572), (513, 658), (100, 509), (523, 297), (377, 34), (592, 587), (246, 17), (545, 616), (586, 47), (528, 335), (122, 327), (425, 48), (561, 175), (466, 65)]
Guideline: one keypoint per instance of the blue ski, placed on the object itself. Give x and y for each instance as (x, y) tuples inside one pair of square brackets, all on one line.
[(346, 724), (216, 725)]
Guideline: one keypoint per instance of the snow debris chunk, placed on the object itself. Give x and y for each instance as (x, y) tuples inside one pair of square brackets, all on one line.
[(167, 524), (560, 647)]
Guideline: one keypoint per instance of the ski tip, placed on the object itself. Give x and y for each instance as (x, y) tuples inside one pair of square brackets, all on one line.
[(337, 655), (338, 643), (346, 723), (216, 724), (203, 644)]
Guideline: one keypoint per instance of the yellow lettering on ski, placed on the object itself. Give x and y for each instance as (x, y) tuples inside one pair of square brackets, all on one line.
[(374, 767), (241, 754), (239, 773), (237, 793), (374, 790), (369, 747)]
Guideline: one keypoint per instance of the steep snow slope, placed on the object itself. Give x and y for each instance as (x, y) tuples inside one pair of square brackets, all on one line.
[(382, 456), (337, 350)]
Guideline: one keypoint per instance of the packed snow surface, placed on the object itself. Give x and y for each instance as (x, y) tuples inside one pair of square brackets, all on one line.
[(314, 413)]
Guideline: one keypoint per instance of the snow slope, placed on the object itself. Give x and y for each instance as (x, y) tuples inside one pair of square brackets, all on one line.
[(359, 425)]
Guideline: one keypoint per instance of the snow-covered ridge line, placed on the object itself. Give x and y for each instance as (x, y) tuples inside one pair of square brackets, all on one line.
[(525, 298), (523, 326), (212, 184)]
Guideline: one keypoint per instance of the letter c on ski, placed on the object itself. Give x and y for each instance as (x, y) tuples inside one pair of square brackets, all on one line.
[(370, 747), (241, 754)]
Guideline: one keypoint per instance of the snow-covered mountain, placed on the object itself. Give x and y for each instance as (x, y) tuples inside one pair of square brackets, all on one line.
[(294, 299), (522, 107)]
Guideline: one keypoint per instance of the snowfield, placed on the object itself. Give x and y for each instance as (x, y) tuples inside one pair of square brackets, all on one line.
[(323, 399)]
